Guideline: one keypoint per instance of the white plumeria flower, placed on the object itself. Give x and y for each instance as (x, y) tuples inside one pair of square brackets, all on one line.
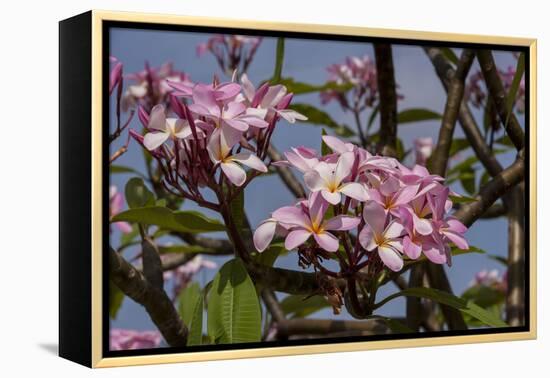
[(328, 179), (270, 100), (165, 128), (219, 149)]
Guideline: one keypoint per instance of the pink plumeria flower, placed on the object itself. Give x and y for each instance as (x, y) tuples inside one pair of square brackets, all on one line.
[(384, 238), (268, 99), (265, 232), (392, 196), (162, 128), (414, 243), (116, 202), (213, 104), (423, 148), (302, 158), (127, 339), (329, 178), (337, 145), (446, 228), (219, 148), (308, 220)]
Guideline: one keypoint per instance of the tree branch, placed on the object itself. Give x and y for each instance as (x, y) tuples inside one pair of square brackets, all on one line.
[(388, 99), (445, 72), (324, 326), (156, 302), (492, 191), (498, 95), (455, 90)]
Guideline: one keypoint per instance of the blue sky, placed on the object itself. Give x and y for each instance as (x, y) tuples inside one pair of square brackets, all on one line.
[(305, 60)]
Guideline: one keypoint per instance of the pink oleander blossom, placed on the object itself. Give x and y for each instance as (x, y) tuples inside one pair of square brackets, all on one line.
[(129, 339), (116, 203)]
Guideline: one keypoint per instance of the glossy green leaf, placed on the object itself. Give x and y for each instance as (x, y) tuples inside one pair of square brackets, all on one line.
[(299, 306), (137, 194), (179, 221), (234, 313), (457, 145), (279, 59), (417, 115), (270, 255), (190, 306), (467, 178), (484, 296), (442, 297), (320, 118), (298, 88)]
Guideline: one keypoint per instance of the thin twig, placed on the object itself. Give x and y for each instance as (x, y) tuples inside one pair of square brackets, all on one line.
[(388, 99)]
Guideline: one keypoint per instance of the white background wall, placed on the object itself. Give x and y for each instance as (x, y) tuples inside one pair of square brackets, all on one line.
[(29, 189)]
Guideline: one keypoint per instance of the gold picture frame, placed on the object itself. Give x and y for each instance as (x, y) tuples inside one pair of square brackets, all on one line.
[(97, 19)]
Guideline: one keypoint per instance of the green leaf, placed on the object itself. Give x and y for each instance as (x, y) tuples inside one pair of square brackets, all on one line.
[(500, 259), (467, 178), (116, 297), (484, 296), (190, 306), (462, 199), (179, 221), (450, 55), (234, 313), (298, 306), (137, 194), (464, 165), (237, 210), (513, 91), (417, 115), (442, 297), (298, 88), (457, 145), (325, 149), (269, 256), (372, 117), (505, 141), (119, 169), (279, 59), (394, 325), (320, 118)]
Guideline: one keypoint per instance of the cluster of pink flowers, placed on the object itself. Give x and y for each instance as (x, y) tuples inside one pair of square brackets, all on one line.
[(393, 210), (126, 339), (150, 86), (476, 92), (116, 204), (219, 125), (183, 275), (360, 74), (232, 52), (492, 279)]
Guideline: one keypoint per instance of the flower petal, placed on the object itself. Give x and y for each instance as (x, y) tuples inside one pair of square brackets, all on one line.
[(234, 173), (327, 241), (296, 238), (366, 238), (394, 230), (314, 181), (342, 223), (336, 144), (354, 190), (333, 198), (250, 160), (343, 167), (375, 216), (157, 118), (291, 215), (411, 249), (434, 252), (457, 239), (152, 141), (248, 87), (421, 225), (391, 258), (291, 115), (264, 234)]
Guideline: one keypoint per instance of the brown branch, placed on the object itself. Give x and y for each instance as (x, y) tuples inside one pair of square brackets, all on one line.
[(388, 99), (495, 211), (414, 304), (498, 96), (492, 191), (455, 90), (286, 174), (515, 298), (325, 326), (445, 72), (156, 302), (273, 305)]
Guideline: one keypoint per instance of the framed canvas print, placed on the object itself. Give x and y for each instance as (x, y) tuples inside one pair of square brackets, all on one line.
[(234, 189)]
